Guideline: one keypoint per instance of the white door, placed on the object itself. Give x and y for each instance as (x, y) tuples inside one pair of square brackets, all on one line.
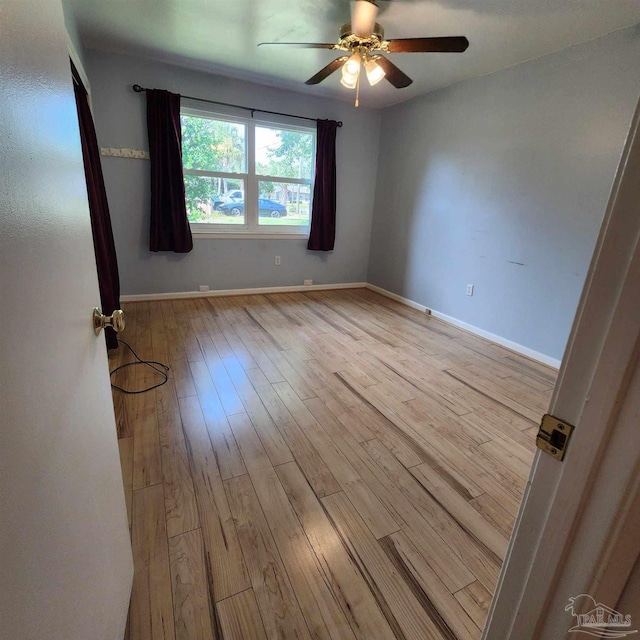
[(65, 556), (578, 531)]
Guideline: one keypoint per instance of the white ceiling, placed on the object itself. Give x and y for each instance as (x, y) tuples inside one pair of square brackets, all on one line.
[(221, 35)]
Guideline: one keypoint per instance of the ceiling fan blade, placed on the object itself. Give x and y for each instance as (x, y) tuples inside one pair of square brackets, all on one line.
[(399, 79), (452, 44), (328, 70), (363, 17), (300, 45)]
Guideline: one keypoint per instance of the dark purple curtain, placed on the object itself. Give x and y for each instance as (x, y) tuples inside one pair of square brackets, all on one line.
[(105, 250), (170, 229), (323, 211)]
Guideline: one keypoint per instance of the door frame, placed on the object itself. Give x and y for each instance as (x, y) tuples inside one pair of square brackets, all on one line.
[(542, 567)]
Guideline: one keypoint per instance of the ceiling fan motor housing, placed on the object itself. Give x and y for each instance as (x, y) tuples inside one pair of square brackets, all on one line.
[(346, 33)]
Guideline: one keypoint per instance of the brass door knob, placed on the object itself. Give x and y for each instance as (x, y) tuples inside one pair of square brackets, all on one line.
[(115, 320)]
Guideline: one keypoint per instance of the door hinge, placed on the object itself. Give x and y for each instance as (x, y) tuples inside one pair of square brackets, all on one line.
[(553, 436)]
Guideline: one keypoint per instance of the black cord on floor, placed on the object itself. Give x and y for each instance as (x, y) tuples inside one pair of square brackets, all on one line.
[(139, 360)]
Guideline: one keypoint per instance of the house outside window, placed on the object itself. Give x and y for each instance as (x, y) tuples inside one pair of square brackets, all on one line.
[(247, 176)]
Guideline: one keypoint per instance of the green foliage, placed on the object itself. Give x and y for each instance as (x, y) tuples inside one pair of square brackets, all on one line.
[(292, 158), (210, 145), (213, 145)]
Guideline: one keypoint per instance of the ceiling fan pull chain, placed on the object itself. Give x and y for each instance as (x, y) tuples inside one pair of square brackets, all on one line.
[(358, 91)]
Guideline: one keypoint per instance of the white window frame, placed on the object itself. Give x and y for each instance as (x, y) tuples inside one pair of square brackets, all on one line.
[(252, 228)]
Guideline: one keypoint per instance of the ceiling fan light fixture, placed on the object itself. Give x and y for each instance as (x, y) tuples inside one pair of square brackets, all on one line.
[(349, 81), (375, 72), (352, 66), (351, 72)]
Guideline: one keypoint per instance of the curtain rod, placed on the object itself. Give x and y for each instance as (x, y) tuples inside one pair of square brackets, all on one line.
[(138, 89)]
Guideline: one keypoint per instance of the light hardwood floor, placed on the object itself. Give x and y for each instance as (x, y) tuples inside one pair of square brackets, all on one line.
[(319, 465)]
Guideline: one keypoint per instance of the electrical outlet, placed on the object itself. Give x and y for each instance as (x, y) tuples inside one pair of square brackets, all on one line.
[(277, 261), (308, 283), (203, 287), (469, 289)]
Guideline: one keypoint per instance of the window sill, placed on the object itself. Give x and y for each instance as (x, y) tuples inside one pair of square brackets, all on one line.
[(213, 235)]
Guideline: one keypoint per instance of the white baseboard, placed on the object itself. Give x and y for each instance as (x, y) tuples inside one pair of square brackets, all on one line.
[(487, 335), (397, 298), (145, 297)]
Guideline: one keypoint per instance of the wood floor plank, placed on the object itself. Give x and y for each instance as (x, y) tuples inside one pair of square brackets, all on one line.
[(249, 443), (312, 465), (192, 607), (322, 612), (438, 451), (147, 469), (495, 513), (341, 571), (437, 534), (228, 395), (179, 494), (273, 442), (182, 310), (240, 618), (274, 594), (159, 341), (226, 570), (261, 359), (460, 510), (174, 342), (228, 343), (451, 618), (374, 513), (403, 611), (508, 459), (181, 374), (475, 600), (489, 390), (146, 444), (224, 445), (151, 599)]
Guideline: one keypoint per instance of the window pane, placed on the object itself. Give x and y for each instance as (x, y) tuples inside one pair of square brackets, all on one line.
[(284, 203), (284, 154), (213, 145), (214, 200)]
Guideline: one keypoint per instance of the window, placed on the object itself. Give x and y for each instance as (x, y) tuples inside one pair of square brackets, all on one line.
[(246, 176)]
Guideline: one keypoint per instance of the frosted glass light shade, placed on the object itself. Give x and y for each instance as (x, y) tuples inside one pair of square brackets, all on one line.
[(375, 72)]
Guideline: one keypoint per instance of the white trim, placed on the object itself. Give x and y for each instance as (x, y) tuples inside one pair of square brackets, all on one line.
[(237, 235), (77, 61), (503, 342), (487, 335), (142, 297), (397, 298)]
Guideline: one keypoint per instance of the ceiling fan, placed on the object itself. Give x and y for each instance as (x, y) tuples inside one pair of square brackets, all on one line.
[(362, 39)]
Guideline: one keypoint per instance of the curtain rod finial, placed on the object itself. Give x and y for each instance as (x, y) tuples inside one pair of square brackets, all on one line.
[(137, 88)]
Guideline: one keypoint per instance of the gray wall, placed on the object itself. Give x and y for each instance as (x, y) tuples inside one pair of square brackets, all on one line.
[(502, 181), (225, 263)]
